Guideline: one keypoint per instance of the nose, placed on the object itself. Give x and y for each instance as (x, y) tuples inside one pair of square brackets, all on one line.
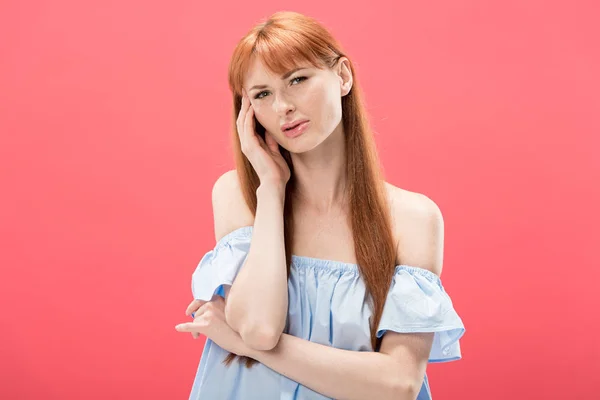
[(282, 106)]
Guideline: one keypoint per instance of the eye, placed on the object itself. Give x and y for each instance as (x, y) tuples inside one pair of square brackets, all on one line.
[(296, 79), (302, 78)]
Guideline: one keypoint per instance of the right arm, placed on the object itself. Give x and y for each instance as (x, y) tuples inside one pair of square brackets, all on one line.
[(257, 302)]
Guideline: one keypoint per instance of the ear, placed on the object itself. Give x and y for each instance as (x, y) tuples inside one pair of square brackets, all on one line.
[(344, 71)]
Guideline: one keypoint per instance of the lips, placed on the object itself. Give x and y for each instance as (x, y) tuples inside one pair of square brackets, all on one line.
[(297, 130), (292, 125)]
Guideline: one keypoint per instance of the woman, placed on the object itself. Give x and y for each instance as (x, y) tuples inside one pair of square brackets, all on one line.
[(325, 278)]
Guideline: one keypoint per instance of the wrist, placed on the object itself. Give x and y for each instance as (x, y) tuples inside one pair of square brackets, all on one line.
[(271, 190), (249, 352)]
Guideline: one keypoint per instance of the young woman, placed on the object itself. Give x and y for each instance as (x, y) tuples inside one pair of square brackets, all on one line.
[(324, 281)]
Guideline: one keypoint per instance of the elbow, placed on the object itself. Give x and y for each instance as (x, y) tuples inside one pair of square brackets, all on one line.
[(260, 337), (402, 389)]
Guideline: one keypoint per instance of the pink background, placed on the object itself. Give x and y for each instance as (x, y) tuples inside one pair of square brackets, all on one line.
[(114, 123)]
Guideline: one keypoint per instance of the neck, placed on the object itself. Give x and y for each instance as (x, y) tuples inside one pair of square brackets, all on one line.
[(320, 174)]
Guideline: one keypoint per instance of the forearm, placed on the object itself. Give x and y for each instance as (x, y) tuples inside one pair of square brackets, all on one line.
[(336, 373), (257, 303)]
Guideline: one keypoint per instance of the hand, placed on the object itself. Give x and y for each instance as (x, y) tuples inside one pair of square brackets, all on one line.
[(191, 311), (209, 320), (269, 164)]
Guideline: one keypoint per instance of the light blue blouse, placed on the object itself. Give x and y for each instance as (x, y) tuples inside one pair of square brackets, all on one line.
[(326, 306)]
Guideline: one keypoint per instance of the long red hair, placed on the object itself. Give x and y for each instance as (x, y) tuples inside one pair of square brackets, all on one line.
[(283, 41)]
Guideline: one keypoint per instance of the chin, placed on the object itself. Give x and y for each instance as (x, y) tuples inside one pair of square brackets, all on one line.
[(301, 144)]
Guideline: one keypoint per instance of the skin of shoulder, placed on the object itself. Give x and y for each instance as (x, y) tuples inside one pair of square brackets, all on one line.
[(417, 221), (418, 227), (230, 210)]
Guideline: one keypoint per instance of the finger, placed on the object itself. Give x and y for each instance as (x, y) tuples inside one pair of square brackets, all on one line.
[(194, 305), (245, 126), (249, 140), (189, 327), (197, 312), (271, 142), (262, 143), (202, 308), (218, 302), (249, 123), (244, 106), (243, 110)]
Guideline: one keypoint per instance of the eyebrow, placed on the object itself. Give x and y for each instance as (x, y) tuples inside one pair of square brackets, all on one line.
[(283, 77)]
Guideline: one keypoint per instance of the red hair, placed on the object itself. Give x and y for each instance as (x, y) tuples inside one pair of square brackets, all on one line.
[(282, 42)]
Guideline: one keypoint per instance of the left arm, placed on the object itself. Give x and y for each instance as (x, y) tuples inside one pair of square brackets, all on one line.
[(398, 369), (396, 372)]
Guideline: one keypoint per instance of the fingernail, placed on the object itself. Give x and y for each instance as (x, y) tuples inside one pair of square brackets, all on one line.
[(193, 315)]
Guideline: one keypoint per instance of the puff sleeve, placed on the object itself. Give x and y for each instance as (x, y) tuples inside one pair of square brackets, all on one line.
[(418, 302), (221, 265)]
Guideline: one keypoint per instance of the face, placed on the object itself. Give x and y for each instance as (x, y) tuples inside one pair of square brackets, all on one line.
[(306, 94)]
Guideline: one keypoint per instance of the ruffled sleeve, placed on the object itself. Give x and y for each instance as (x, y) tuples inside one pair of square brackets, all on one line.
[(220, 266), (417, 302)]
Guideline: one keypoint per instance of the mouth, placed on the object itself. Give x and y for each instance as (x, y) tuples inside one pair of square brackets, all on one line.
[(296, 130), (294, 126)]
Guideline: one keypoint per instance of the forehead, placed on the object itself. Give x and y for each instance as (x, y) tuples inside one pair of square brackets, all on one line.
[(259, 73)]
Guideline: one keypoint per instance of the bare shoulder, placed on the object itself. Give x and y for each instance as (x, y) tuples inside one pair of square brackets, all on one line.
[(418, 227), (230, 210)]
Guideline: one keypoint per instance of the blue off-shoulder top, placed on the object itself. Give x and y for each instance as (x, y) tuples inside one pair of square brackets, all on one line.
[(326, 306)]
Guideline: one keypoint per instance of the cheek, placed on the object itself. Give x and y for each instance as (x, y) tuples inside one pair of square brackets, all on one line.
[(330, 110), (324, 101), (264, 117), (259, 113)]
